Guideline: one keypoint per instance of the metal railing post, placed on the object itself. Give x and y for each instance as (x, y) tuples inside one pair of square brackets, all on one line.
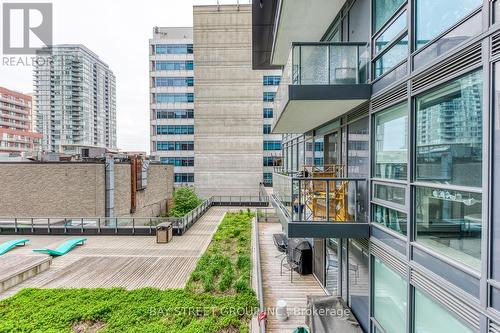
[(32, 226), (65, 226), (327, 199), (15, 225), (99, 225), (81, 226), (355, 201), (48, 225), (133, 226)]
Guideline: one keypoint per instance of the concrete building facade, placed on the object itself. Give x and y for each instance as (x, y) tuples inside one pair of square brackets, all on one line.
[(211, 114), (75, 97), (16, 131)]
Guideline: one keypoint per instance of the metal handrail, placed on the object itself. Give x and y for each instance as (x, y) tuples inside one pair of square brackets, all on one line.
[(260, 289), (181, 224)]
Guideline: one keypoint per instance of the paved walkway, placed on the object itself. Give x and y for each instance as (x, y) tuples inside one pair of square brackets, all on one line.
[(278, 287), (122, 261)]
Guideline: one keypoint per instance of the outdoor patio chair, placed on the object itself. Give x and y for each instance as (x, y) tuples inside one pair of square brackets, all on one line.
[(291, 261)]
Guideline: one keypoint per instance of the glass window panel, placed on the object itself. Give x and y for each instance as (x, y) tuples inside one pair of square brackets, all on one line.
[(496, 179), (389, 298), (394, 194), (391, 143), (434, 17), (393, 56), (392, 31), (359, 280), (343, 65), (450, 222), (313, 65), (431, 317), (383, 10), (449, 133), (459, 34), (390, 218)]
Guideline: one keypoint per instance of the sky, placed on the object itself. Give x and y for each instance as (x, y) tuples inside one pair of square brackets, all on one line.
[(118, 32)]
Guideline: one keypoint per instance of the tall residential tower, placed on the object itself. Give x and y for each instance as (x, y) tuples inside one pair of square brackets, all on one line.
[(75, 95)]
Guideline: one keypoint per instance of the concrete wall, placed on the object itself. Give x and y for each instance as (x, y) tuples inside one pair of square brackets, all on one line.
[(52, 189), (78, 189), (228, 103)]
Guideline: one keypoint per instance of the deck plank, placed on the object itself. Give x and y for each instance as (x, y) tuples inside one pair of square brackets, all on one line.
[(277, 287), (129, 262)]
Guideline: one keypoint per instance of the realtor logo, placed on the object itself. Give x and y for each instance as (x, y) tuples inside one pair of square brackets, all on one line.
[(27, 27)]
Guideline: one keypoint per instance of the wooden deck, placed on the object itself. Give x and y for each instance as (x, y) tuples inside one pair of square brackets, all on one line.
[(278, 287), (122, 261)]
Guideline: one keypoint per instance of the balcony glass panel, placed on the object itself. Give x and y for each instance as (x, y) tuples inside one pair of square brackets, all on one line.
[(329, 63), (450, 223)]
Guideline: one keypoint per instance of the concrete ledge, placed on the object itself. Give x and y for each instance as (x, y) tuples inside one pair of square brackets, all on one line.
[(17, 269)]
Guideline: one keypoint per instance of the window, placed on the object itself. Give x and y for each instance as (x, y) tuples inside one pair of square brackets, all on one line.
[(268, 112), (430, 317), (178, 161), (383, 10), (392, 57), (318, 146), (390, 218), (271, 160), (272, 145), (449, 133), (173, 65), (184, 177), (174, 145), (174, 98), (173, 81), (450, 223), (434, 17), (269, 96), (268, 178), (175, 114), (392, 194), (391, 143), (271, 80), (174, 129), (174, 49), (389, 298), (267, 129), (318, 161), (391, 32), (495, 185)]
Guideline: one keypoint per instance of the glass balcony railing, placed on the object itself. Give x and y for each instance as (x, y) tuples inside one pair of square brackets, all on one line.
[(329, 63), (314, 199), (323, 64)]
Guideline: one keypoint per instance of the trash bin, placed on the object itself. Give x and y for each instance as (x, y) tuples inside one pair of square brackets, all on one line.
[(164, 232)]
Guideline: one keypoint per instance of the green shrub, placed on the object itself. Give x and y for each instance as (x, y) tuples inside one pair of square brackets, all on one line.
[(185, 200)]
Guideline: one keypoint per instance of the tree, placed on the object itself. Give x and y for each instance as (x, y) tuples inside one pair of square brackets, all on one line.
[(185, 200)]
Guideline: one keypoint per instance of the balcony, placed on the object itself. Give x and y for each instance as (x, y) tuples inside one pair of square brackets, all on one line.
[(313, 204), (320, 82)]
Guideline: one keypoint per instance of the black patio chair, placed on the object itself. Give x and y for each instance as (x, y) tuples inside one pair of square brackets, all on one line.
[(292, 260)]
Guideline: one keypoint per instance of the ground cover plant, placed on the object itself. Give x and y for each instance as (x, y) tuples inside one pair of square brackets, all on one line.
[(217, 297)]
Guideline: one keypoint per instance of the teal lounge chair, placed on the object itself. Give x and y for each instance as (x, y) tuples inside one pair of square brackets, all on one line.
[(7, 246), (63, 248)]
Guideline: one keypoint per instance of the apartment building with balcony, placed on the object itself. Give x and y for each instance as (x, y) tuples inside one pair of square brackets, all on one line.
[(75, 98), (16, 132), (390, 115), (210, 113)]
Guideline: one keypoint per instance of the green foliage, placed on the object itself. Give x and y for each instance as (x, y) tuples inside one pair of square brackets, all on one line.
[(185, 200), (217, 298), (226, 265)]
